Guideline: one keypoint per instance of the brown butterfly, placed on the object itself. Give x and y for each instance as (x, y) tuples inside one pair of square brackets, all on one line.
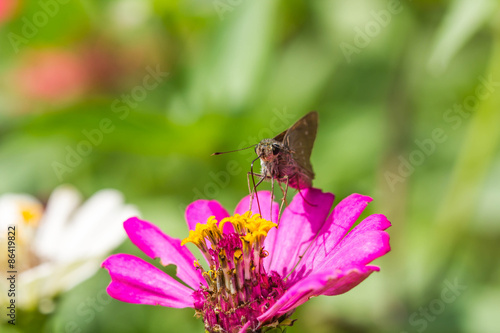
[(286, 157)]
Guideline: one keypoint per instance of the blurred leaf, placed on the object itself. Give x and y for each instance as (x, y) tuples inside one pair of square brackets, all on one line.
[(464, 18)]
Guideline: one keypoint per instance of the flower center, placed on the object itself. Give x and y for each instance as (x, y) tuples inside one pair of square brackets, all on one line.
[(239, 289), (31, 213)]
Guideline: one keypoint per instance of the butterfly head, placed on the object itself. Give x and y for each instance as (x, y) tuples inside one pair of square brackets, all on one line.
[(268, 149)]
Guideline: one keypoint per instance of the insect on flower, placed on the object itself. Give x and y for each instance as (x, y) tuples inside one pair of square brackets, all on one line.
[(286, 158), (250, 276)]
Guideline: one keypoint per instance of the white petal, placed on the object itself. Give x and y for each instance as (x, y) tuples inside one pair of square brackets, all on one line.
[(96, 226), (68, 275), (109, 236), (32, 283), (62, 203), (49, 279)]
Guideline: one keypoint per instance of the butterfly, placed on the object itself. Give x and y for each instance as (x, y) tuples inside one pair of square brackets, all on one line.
[(286, 157)]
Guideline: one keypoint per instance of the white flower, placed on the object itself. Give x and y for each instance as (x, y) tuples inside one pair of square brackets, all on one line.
[(59, 246)]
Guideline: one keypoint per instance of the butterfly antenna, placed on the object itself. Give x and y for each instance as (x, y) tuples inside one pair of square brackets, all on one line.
[(232, 151)]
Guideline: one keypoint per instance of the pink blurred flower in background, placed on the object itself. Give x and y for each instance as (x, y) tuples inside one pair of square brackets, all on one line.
[(7, 9), (257, 274), (42, 78), (51, 75)]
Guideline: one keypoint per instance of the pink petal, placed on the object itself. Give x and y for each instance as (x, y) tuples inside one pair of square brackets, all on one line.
[(336, 227), (265, 206), (347, 284), (154, 243), (329, 283), (200, 210), (371, 223), (360, 249), (299, 225), (135, 281)]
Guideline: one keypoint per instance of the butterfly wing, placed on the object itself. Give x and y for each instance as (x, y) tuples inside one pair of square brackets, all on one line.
[(280, 136), (299, 139)]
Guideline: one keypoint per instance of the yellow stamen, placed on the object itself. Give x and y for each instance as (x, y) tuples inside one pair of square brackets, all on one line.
[(248, 238), (223, 222), (251, 228), (256, 224), (196, 236), (239, 222), (237, 255)]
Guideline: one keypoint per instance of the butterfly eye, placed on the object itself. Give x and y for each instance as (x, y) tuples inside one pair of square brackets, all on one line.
[(276, 148)]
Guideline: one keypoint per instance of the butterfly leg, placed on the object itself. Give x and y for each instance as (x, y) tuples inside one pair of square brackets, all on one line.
[(283, 200), (285, 190), (254, 189), (249, 189), (255, 185)]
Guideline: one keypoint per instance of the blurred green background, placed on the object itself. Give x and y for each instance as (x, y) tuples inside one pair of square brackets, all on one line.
[(408, 94)]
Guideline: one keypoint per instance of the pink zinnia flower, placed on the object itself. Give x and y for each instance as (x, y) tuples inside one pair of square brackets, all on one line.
[(258, 274)]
